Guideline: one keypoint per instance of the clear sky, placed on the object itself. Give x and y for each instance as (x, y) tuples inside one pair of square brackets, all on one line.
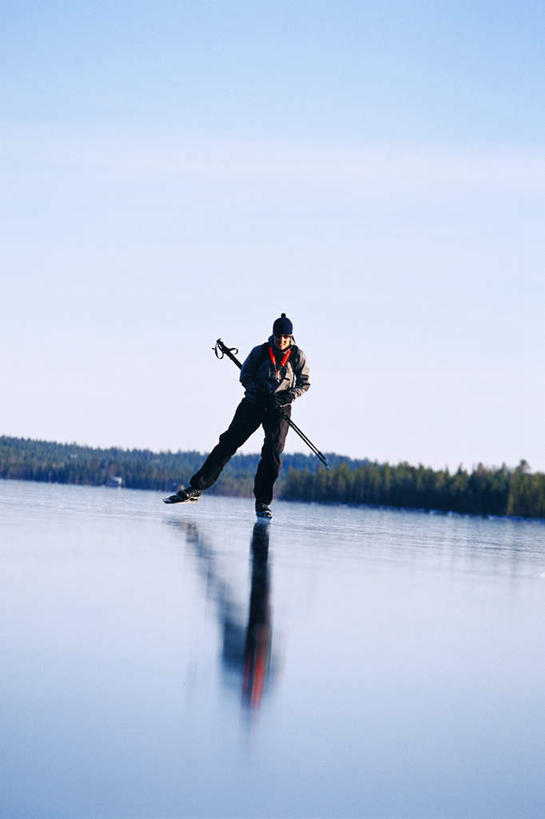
[(172, 172)]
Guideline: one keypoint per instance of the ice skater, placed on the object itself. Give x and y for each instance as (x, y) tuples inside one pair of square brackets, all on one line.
[(273, 376)]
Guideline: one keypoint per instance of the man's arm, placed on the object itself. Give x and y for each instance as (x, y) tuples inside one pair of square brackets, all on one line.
[(248, 372), (302, 375)]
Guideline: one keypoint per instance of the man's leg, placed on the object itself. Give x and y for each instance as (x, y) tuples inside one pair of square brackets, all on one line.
[(245, 421), (268, 469)]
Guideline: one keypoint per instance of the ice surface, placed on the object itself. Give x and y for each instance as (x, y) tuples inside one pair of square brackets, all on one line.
[(184, 661)]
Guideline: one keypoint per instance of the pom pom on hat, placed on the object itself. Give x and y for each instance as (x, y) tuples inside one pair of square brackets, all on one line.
[(282, 326)]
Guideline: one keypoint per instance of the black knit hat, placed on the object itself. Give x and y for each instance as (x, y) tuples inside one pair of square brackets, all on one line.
[(282, 326)]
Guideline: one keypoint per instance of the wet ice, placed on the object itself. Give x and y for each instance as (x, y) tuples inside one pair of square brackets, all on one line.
[(339, 662)]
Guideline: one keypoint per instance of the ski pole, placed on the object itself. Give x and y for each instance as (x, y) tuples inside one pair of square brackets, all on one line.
[(221, 350)]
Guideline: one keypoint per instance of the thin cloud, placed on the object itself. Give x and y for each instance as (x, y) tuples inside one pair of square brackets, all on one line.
[(403, 170)]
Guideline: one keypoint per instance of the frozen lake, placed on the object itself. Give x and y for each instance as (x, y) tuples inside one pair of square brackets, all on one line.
[(342, 662)]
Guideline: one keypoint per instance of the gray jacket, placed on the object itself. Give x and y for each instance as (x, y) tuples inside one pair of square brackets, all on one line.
[(258, 375)]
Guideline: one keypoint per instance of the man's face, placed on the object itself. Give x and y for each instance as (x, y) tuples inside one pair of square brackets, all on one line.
[(282, 342)]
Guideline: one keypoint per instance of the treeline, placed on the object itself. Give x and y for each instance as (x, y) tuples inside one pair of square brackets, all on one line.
[(483, 491), (27, 459)]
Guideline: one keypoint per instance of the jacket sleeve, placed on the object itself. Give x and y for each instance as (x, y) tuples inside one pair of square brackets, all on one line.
[(249, 370), (302, 374)]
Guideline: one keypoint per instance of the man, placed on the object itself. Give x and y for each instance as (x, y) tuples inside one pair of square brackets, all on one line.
[(273, 376)]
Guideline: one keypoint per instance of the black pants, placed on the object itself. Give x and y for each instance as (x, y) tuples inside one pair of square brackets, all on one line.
[(248, 417)]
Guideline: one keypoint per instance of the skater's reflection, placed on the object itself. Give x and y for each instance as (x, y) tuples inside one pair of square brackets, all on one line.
[(246, 641), (257, 651)]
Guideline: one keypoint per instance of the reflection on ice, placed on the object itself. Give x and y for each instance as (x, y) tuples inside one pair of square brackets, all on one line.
[(246, 638), (257, 650), (413, 682)]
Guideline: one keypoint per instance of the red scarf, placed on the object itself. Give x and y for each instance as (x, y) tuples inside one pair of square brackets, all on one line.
[(282, 363)]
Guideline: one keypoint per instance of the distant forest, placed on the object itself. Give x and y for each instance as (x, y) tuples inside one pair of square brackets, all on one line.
[(483, 491)]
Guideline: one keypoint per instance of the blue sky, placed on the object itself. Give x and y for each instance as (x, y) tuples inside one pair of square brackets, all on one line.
[(175, 172)]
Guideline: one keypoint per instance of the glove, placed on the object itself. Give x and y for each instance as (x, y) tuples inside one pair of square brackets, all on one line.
[(284, 398)]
